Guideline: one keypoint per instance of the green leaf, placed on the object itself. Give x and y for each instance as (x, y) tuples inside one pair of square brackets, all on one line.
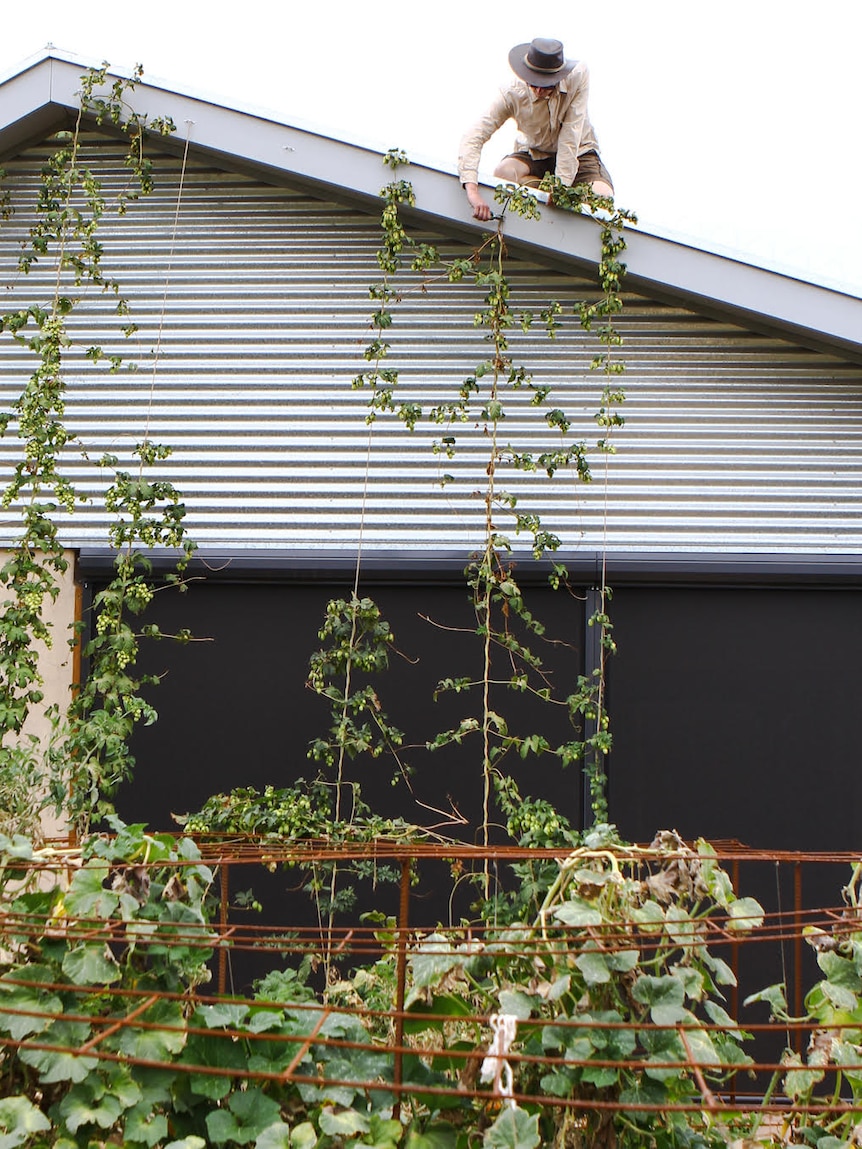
[(87, 896), (19, 1117), (577, 912), (30, 1000), (513, 1129), (703, 1052), (440, 1135), (664, 995), (436, 956), (187, 1143), (600, 1075), (159, 1044), (344, 1123), (143, 1126), (54, 1066), (774, 997), (650, 917), (520, 1005), (721, 972), (276, 1136), (679, 925), (594, 966), (91, 964), (79, 1107), (623, 961), (745, 914), (840, 971), (223, 1014)]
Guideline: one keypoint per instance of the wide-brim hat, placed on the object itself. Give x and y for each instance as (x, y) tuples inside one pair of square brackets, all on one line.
[(541, 63)]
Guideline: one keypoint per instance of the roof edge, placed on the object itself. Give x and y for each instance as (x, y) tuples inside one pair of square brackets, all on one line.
[(44, 91)]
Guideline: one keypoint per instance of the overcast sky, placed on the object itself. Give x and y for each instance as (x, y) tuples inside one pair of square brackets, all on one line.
[(732, 125)]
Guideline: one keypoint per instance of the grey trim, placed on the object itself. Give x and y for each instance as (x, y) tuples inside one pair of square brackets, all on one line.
[(45, 92), (585, 567)]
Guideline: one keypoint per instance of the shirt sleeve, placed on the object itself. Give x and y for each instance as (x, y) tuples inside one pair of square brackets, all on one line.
[(478, 135), (572, 131)]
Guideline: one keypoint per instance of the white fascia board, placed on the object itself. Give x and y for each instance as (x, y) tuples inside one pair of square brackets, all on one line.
[(696, 278)]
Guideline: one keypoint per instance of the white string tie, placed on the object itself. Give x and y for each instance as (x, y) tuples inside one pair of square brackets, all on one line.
[(495, 1067)]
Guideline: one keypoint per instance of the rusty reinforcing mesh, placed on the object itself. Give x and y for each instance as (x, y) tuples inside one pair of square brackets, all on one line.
[(778, 944)]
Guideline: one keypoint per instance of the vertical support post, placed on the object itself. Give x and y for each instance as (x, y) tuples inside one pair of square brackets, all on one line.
[(401, 979), (734, 965), (224, 896), (592, 661), (797, 947)]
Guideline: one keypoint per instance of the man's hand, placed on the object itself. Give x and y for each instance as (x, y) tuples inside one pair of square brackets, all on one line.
[(481, 210)]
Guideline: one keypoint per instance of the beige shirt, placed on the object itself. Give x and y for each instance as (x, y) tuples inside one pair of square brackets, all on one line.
[(558, 125)]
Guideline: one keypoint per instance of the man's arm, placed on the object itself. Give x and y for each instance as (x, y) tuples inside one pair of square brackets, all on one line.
[(470, 151), (572, 127)]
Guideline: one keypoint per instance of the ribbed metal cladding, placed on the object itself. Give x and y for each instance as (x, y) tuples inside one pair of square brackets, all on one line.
[(260, 313)]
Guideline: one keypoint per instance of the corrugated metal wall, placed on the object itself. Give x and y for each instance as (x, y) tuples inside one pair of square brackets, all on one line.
[(733, 441)]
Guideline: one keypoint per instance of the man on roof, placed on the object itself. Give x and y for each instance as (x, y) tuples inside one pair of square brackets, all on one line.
[(548, 102)]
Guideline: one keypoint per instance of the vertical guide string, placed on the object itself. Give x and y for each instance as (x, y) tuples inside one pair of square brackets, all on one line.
[(168, 270)]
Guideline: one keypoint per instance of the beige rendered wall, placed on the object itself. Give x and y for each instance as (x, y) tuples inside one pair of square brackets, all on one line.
[(55, 663)]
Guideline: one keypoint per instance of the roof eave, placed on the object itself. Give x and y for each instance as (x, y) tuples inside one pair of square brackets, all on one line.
[(41, 97)]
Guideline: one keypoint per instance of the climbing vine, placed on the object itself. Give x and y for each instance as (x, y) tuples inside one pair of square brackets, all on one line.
[(87, 754), (482, 401)]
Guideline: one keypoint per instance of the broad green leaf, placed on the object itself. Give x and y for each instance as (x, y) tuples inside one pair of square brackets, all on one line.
[(87, 896), (53, 1065), (679, 925), (383, 1133), (144, 1127), (594, 966), (774, 997), (33, 1001), (557, 1084), (91, 964), (663, 1045), (513, 1129), (155, 1044), (262, 1020), (650, 917), (345, 1123), (745, 914), (227, 1015), (703, 1052), (275, 1136), (79, 1108), (840, 971), (443, 1005), (720, 1016), (303, 1136), (222, 1127), (692, 981), (721, 972), (798, 1083), (19, 1117), (435, 956), (254, 1110), (841, 997), (187, 1143), (664, 995), (600, 1075), (847, 1054), (623, 961), (577, 912), (520, 1005), (439, 1135)]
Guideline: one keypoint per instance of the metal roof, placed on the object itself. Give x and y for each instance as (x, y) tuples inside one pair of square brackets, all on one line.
[(43, 94), (735, 441)]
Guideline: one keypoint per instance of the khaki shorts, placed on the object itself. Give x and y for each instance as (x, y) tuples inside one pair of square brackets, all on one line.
[(590, 167)]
